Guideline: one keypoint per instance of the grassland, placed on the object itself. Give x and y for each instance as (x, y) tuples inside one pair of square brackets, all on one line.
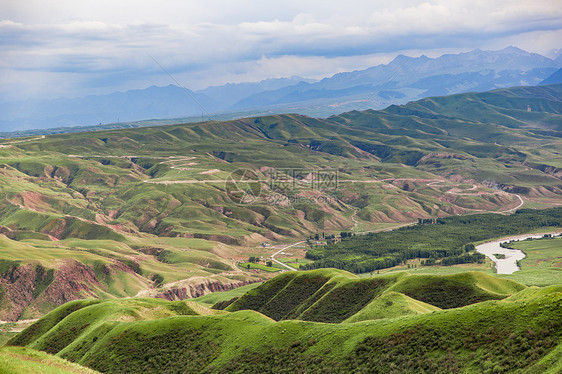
[(150, 210), (520, 332), (251, 265), (336, 296), (21, 360), (294, 262), (542, 265), (215, 297), (445, 241), (391, 305)]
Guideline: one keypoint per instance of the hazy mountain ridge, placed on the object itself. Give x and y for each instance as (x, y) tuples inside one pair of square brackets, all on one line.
[(555, 78), (153, 102), (411, 78), (169, 101), (230, 93), (402, 80), (411, 69)]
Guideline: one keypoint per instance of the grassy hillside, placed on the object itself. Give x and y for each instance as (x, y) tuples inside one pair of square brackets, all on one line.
[(39, 275), (453, 291), (158, 211), (542, 264), (225, 296), (514, 107), (391, 305), (20, 360), (152, 336), (329, 295)]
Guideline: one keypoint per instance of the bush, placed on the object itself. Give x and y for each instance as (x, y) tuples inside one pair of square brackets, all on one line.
[(454, 235)]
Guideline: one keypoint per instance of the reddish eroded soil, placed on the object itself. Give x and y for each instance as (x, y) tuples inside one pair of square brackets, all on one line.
[(32, 201), (31, 286), (199, 289), (18, 284)]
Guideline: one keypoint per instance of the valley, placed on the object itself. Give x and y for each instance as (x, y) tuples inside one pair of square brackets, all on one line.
[(260, 244), (281, 187), (161, 211), (506, 259), (408, 323)]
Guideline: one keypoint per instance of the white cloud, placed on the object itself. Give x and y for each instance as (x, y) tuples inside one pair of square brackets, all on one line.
[(93, 43)]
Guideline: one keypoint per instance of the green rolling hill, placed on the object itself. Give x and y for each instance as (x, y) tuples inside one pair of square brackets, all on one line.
[(336, 296), (517, 329), (151, 212), (18, 360)]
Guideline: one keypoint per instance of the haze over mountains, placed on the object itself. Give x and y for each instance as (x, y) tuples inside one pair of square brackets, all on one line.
[(555, 78), (105, 235), (403, 79)]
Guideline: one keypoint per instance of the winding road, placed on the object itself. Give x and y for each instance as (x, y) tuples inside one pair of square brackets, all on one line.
[(303, 241), (281, 250), (9, 144), (518, 206), (473, 188)]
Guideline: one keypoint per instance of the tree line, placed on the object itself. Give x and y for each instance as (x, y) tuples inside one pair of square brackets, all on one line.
[(443, 241)]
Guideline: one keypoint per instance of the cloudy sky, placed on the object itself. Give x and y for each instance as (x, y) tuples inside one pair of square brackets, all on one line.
[(74, 48)]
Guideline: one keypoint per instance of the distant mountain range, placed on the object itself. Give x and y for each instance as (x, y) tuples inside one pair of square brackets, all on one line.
[(229, 94), (555, 78), (402, 80), (405, 79)]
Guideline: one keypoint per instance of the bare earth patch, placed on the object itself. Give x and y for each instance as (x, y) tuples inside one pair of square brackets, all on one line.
[(212, 171)]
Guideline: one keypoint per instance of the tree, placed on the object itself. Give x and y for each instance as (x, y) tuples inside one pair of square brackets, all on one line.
[(269, 263)]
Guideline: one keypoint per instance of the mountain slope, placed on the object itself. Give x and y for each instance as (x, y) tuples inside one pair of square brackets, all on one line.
[(405, 79), (152, 102), (159, 210), (335, 296), (555, 78), (521, 107), (17, 360), (478, 338), (391, 305)]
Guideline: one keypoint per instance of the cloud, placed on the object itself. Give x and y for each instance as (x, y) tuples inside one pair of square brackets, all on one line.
[(220, 40)]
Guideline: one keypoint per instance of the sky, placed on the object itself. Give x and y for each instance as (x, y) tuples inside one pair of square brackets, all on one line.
[(69, 48)]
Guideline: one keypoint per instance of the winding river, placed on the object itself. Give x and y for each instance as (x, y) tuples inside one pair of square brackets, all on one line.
[(507, 265)]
